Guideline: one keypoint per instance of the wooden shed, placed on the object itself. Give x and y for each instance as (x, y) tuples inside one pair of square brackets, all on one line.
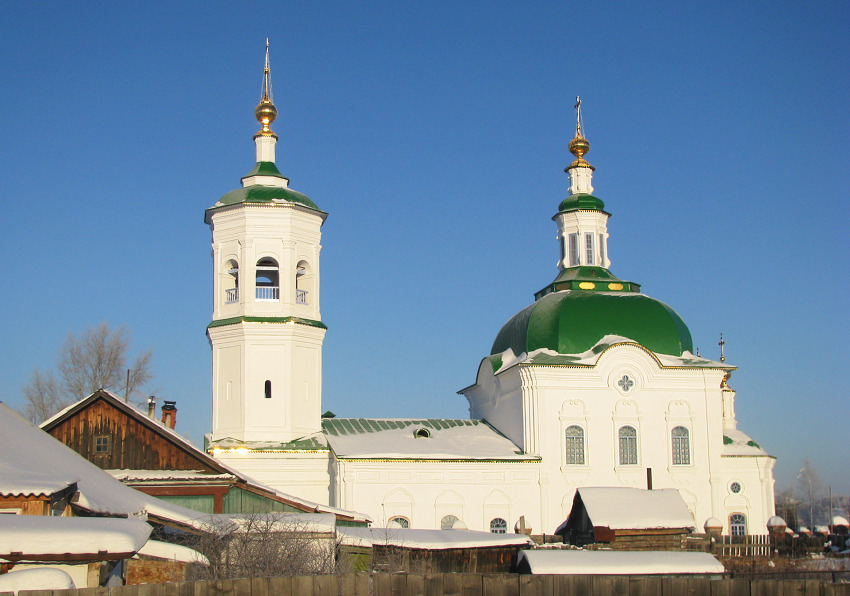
[(624, 518)]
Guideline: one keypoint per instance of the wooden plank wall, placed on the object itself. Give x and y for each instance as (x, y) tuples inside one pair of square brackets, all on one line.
[(465, 584), (133, 446)]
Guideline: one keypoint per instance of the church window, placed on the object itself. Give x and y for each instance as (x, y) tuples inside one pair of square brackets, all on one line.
[(303, 281), (398, 521), (231, 282), (575, 445), (628, 446), (735, 487), (573, 250), (681, 446), (588, 249), (422, 433), (268, 281), (601, 250), (738, 524), (448, 522), (498, 526), (268, 390)]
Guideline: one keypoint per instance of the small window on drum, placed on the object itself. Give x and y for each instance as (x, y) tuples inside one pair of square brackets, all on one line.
[(498, 526), (268, 390)]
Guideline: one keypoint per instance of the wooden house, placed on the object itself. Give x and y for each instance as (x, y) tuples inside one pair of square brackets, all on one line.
[(149, 455), (624, 518)]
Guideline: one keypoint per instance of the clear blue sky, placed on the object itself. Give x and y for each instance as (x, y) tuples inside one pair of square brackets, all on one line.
[(435, 135)]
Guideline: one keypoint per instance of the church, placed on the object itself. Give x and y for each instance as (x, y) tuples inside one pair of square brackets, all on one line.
[(594, 384)]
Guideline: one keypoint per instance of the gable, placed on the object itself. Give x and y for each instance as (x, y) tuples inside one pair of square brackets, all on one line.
[(131, 441)]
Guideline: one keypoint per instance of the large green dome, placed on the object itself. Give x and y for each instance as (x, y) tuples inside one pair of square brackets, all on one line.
[(573, 321)]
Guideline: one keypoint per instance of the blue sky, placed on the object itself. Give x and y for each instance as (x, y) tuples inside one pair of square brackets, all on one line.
[(435, 135)]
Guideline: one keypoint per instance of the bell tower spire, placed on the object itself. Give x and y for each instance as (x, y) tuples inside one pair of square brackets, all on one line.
[(266, 113), (581, 172)]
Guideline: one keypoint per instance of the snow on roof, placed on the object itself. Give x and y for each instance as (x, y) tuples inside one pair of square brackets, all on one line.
[(581, 562), (39, 538), (545, 356), (323, 523), (737, 444), (45, 578), (428, 539), (171, 552), (627, 508), (24, 483), (419, 439), (140, 476), (25, 448)]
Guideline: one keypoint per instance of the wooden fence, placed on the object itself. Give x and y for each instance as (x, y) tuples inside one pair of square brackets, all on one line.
[(466, 584)]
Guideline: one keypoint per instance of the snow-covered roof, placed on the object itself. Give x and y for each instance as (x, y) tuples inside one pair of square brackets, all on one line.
[(31, 483), (627, 508), (581, 562), (50, 538), (738, 444), (171, 552), (44, 578), (159, 476), (431, 438), (25, 448), (428, 539), (545, 356), (321, 523)]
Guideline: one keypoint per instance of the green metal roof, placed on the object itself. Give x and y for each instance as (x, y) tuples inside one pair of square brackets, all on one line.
[(265, 168), (573, 321), (581, 201), (263, 193), (578, 278), (336, 427)]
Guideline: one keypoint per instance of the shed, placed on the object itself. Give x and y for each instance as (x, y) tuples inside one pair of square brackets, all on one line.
[(627, 518)]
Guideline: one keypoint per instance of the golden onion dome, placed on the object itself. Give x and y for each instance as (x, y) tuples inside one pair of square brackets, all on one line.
[(266, 114), (579, 146)]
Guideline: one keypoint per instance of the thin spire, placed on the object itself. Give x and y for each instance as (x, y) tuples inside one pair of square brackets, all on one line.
[(578, 116), (267, 79), (265, 111), (579, 146)]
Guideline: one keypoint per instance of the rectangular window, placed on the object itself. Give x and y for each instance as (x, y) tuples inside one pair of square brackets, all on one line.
[(588, 249), (573, 250), (628, 446), (101, 444), (575, 446), (601, 250)]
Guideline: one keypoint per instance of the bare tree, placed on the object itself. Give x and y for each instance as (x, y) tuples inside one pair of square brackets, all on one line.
[(97, 359), (44, 396), (810, 485), (264, 545)]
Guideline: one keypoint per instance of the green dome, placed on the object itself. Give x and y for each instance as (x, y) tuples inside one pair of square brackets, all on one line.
[(573, 321), (581, 201), (260, 193)]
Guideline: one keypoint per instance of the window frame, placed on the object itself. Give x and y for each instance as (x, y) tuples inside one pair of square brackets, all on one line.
[(498, 525), (680, 446), (627, 446), (578, 448)]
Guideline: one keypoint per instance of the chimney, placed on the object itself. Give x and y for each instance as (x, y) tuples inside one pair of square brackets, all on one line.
[(152, 407), (169, 413)]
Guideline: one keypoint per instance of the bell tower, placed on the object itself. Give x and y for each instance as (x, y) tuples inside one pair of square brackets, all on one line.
[(266, 331)]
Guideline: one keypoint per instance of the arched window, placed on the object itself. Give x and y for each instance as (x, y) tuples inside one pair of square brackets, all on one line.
[(268, 280), (738, 524), (268, 389), (303, 283), (628, 446), (231, 282), (681, 444), (575, 445), (498, 526), (448, 522), (398, 522)]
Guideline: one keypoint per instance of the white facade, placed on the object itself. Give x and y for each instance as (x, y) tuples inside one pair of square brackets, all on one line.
[(542, 424)]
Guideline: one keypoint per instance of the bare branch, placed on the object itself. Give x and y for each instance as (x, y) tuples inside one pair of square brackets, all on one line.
[(43, 396)]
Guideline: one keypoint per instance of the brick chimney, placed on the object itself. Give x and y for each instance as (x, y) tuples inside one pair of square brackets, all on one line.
[(169, 413)]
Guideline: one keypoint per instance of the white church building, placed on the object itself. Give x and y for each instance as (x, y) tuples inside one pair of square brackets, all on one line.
[(592, 385)]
